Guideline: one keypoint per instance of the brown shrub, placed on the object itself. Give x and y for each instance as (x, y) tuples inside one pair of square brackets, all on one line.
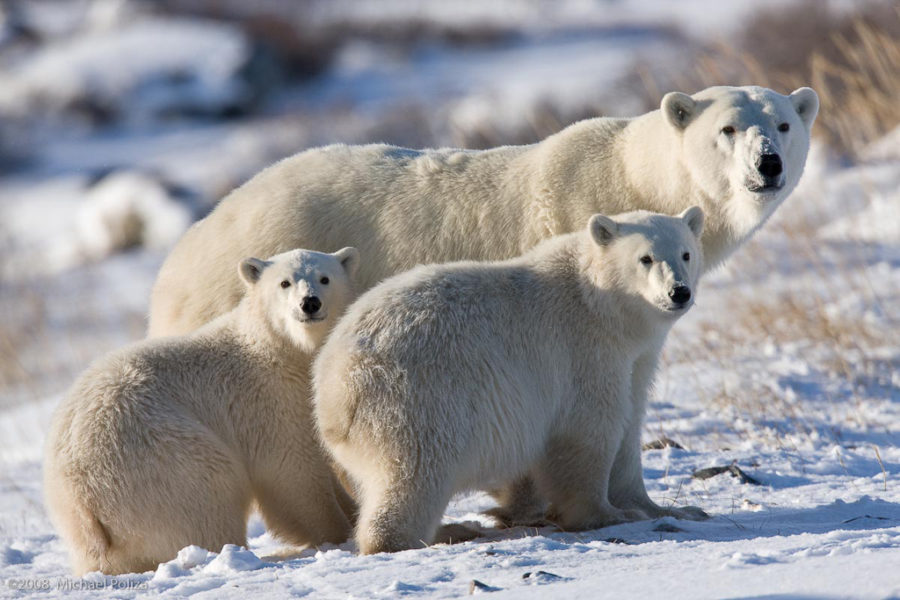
[(851, 59)]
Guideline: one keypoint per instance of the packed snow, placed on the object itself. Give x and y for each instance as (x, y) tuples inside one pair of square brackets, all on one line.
[(784, 379)]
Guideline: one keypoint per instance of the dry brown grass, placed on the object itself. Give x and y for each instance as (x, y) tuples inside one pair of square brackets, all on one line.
[(42, 345), (542, 120), (851, 60), (799, 320)]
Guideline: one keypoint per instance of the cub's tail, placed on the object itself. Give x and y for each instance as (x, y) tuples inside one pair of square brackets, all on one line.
[(334, 400), (95, 540), (88, 539)]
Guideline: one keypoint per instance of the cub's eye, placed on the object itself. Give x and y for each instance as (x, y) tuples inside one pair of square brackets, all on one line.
[(728, 130), (646, 260), (285, 284), (686, 256), (324, 281), (784, 127)]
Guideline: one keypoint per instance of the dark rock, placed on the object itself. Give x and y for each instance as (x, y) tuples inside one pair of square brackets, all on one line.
[(663, 442), (617, 540), (476, 587), (733, 469)]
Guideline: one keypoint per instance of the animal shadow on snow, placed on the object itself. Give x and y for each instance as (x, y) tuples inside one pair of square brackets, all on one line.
[(863, 514), (781, 597)]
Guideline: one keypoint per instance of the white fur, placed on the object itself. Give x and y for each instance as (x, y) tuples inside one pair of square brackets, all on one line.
[(404, 207), (167, 442), (473, 375)]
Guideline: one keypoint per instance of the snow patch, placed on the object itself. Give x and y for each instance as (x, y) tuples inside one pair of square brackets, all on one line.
[(127, 209), (141, 69), (234, 559)]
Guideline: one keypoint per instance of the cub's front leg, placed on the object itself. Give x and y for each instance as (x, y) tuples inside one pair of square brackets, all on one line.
[(626, 487), (520, 504), (575, 472), (574, 476)]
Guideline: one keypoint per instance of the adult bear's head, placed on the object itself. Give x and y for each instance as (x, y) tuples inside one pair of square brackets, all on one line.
[(744, 145)]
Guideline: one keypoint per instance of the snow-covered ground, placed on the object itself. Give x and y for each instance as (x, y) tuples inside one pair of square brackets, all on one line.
[(788, 367)]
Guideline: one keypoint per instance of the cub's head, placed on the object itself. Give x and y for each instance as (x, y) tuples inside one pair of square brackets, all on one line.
[(744, 145), (301, 293), (655, 259)]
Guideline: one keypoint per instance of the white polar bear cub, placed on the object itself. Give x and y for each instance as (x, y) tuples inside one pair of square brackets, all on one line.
[(168, 442), (737, 152), (469, 375)]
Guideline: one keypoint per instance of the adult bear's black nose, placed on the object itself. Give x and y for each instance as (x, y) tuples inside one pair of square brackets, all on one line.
[(680, 294), (311, 305), (770, 165)]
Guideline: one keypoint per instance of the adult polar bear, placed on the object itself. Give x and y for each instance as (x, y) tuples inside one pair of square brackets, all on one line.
[(736, 152)]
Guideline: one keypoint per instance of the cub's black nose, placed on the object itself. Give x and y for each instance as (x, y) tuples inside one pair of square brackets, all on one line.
[(770, 165), (680, 294), (311, 305)]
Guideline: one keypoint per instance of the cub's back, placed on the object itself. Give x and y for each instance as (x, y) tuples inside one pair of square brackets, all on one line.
[(126, 396)]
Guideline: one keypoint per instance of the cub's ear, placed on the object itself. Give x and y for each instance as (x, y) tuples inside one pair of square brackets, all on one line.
[(678, 109), (603, 229), (693, 218), (349, 258), (251, 270), (806, 103)]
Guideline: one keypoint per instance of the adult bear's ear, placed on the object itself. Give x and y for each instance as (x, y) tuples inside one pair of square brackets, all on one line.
[(349, 258), (603, 229), (251, 270), (678, 109), (806, 103), (693, 218)]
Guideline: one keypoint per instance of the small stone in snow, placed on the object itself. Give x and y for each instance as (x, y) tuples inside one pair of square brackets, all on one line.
[(478, 587), (543, 577), (733, 469), (661, 443), (617, 540), (751, 505)]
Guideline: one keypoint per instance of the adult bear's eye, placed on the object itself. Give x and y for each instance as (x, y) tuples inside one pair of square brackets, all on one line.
[(686, 256), (324, 281), (784, 127), (285, 284), (646, 260), (728, 130)]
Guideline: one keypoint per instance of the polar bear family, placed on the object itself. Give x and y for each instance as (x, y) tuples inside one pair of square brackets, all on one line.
[(736, 153)]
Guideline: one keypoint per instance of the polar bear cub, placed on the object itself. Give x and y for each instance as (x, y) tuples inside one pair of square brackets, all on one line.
[(168, 442), (470, 375)]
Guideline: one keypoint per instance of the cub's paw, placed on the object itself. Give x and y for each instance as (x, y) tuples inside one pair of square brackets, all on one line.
[(689, 513), (634, 514), (455, 533), (505, 518), (597, 519)]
